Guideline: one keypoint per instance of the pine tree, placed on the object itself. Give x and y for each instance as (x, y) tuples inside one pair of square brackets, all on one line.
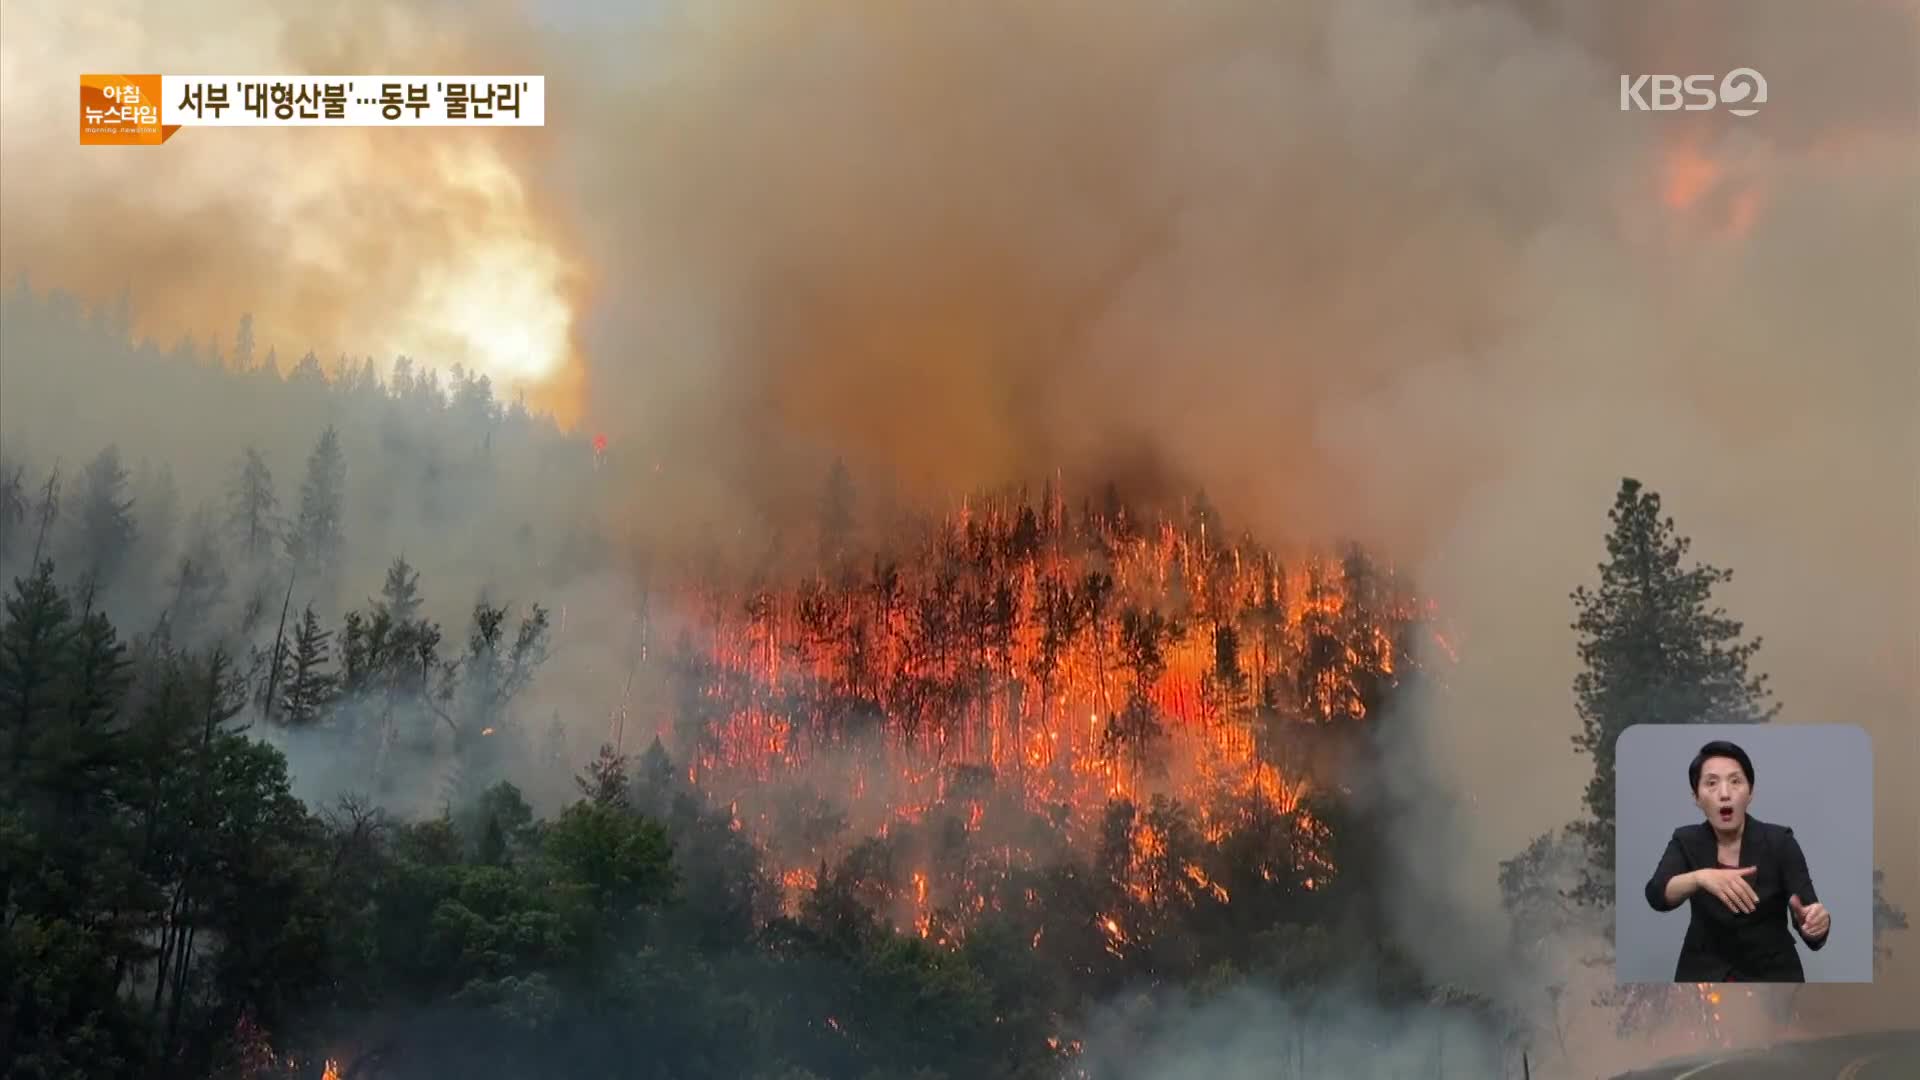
[(46, 511), (1655, 651), (1224, 688), (34, 657), (402, 381), (1143, 636), (308, 373), (252, 506), (97, 675), (309, 688), (656, 766), (1323, 649), (317, 537), (605, 780), (103, 524), (75, 753), (366, 383), (400, 596), (1024, 544), (13, 508), (1095, 595)]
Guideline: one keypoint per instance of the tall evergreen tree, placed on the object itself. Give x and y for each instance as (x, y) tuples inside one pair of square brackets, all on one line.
[(309, 687), (103, 518), (317, 537), (401, 383), (252, 506), (1655, 650), (605, 780), (74, 755), (400, 596), (13, 508), (1224, 689), (34, 658), (308, 374)]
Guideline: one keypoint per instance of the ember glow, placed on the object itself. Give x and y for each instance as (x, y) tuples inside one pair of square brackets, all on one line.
[(1025, 663), (1710, 190)]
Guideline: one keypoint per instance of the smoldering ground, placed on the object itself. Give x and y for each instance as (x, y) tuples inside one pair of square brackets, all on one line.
[(1395, 270)]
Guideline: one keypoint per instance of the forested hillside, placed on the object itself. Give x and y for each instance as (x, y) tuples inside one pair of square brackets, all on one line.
[(942, 796)]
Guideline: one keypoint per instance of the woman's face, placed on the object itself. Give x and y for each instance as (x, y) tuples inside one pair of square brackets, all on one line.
[(1723, 793)]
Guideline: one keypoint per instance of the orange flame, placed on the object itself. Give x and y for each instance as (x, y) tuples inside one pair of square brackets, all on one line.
[(966, 670)]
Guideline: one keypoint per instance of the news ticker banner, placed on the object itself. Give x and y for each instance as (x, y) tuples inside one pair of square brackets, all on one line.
[(145, 110)]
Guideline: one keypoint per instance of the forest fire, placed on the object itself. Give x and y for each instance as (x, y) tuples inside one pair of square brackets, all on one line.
[(1018, 674)]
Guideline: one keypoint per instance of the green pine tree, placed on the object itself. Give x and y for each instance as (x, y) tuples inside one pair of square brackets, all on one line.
[(253, 506), (400, 596), (317, 537), (1656, 651), (103, 524), (34, 658), (309, 687), (605, 780)]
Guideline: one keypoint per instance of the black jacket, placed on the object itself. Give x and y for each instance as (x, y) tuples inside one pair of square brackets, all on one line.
[(1722, 945)]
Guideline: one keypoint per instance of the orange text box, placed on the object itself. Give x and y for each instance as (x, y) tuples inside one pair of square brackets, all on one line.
[(122, 110)]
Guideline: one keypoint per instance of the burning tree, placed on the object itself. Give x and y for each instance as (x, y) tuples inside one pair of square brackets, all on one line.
[(1000, 682)]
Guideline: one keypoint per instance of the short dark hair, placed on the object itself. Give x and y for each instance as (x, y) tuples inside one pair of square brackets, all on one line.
[(1714, 749)]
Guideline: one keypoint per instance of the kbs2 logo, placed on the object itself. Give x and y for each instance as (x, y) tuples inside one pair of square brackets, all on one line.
[(1741, 91)]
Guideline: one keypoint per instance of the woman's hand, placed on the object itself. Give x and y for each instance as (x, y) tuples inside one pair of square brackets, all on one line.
[(1812, 918), (1730, 887)]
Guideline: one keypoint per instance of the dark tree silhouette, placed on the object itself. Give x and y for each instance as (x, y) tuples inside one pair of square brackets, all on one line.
[(253, 507), (1655, 650), (103, 521), (308, 686), (317, 538)]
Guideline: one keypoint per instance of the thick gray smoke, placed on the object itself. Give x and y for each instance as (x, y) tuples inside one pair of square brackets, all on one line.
[(1249, 1033), (1397, 270)]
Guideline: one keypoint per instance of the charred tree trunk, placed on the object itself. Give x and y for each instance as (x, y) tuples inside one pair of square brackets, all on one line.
[(279, 639)]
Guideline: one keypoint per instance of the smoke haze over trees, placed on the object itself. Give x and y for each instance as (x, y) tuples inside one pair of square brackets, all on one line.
[(426, 920), (423, 919), (537, 935)]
